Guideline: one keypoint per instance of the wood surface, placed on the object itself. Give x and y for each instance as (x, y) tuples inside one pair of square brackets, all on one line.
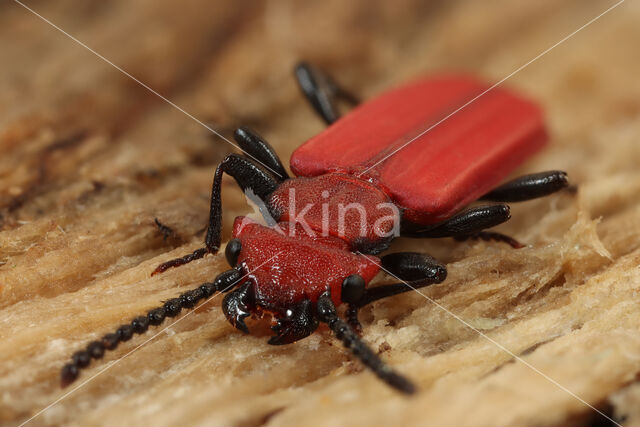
[(89, 157)]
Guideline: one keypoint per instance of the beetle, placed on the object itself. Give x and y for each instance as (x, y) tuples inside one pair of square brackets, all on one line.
[(414, 151)]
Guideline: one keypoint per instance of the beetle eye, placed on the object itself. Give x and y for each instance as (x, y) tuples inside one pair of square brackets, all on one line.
[(352, 289), (232, 251)]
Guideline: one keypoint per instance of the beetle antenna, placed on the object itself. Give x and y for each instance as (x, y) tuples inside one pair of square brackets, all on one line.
[(327, 314), (139, 325)]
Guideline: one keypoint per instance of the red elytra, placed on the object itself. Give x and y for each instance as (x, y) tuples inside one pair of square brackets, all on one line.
[(444, 169)]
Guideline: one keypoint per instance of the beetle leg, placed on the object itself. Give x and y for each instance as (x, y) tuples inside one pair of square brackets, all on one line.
[(256, 146), (298, 323), (416, 269), (250, 177), (253, 179), (529, 187), (238, 305), (463, 224), (326, 313), (352, 318), (322, 92), (491, 235)]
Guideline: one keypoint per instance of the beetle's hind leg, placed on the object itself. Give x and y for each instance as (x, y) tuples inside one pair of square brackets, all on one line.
[(322, 92), (528, 187), (253, 179), (466, 223), (469, 224)]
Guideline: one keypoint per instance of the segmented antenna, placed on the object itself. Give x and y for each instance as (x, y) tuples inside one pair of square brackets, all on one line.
[(139, 325), (327, 314)]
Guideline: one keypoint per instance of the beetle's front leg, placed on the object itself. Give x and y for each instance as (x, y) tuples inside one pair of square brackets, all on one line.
[(250, 177), (259, 149), (298, 323)]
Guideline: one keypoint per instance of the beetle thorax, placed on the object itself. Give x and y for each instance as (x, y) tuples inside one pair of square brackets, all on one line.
[(285, 265), (339, 205)]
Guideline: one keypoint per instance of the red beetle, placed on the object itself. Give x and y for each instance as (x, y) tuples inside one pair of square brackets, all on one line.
[(403, 164)]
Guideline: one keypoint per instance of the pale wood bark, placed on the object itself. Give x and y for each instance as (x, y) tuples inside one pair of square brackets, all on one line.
[(88, 159)]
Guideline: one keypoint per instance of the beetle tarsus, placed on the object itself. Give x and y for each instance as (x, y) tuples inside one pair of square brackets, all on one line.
[(528, 187), (467, 222)]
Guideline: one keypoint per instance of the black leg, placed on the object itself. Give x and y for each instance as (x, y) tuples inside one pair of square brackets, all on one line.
[(491, 235), (353, 289), (96, 349), (250, 177), (414, 267), (463, 224), (418, 270), (299, 323), (352, 318), (254, 145), (253, 180), (326, 312), (322, 92), (238, 305), (529, 187)]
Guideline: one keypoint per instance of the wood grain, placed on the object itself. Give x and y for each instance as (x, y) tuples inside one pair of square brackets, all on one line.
[(88, 159)]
